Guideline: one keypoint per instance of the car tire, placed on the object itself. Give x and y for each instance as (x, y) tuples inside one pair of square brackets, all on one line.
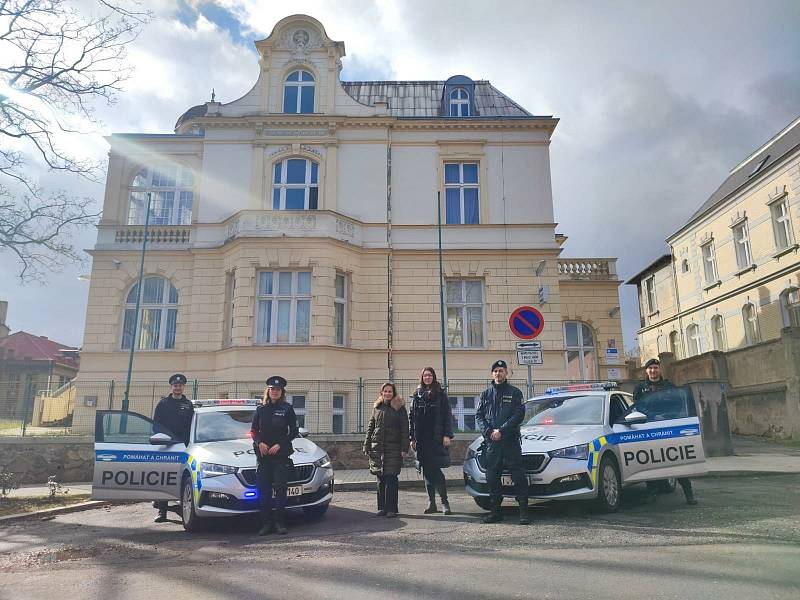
[(609, 487), (483, 502), (316, 511), (667, 486), (191, 522)]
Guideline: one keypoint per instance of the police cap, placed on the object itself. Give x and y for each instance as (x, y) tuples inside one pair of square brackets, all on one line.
[(651, 362), (177, 378), (499, 363), (276, 381)]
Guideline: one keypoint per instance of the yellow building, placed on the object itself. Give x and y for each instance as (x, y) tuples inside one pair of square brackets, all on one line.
[(732, 273)]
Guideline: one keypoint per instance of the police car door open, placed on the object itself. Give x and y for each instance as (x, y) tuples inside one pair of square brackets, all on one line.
[(668, 444), (128, 465)]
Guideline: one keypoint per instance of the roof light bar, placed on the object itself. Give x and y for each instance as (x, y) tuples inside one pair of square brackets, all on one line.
[(582, 387)]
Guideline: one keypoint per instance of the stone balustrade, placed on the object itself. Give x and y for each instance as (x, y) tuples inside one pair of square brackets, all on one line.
[(587, 268), (157, 234)]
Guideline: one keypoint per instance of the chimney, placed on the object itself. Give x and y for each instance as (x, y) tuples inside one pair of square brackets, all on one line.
[(3, 313)]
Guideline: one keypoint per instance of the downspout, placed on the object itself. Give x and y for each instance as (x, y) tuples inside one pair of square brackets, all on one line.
[(677, 301), (389, 259)]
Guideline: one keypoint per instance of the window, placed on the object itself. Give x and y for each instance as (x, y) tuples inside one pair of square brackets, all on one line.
[(741, 241), (693, 339), (685, 265), (230, 289), (781, 223), (580, 352), (790, 307), (283, 307), (464, 313), (675, 345), (709, 263), (298, 403), (340, 309), (463, 409), (750, 318), (171, 188), (298, 93), (661, 343), (295, 185), (157, 317), (461, 194), (459, 103), (338, 413), (718, 332), (650, 294)]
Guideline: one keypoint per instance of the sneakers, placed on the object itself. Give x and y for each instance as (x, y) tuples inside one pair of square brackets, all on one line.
[(380, 513)]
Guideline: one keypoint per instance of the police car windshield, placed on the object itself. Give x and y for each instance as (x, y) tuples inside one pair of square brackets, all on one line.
[(223, 425), (565, 410)]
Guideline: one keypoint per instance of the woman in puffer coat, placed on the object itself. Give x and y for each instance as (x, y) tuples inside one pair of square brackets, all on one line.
[(386, 445), (431, 434)]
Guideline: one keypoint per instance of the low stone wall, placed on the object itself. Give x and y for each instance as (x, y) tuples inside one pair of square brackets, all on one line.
[(33, 460)]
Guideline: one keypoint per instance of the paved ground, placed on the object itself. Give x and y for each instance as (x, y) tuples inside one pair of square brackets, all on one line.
[(742, 541)]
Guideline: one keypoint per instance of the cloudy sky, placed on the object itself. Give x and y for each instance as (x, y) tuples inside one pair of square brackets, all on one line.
[(657, 101)]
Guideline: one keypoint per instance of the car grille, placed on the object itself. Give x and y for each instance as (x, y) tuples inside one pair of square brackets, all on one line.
[(302, 474), (533, 463)]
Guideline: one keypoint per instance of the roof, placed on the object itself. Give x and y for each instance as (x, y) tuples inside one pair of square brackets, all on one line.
[(196, 111), (26, 346), (751, 169), (661, 261)]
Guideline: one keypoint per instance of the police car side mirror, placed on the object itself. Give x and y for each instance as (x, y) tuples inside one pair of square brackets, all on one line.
[(635, 418), (303, 432), (162, 439)]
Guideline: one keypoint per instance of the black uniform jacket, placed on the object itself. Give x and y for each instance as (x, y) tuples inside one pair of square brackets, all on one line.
[(647, 387), (275, 424), (174, 417), (500, 407)]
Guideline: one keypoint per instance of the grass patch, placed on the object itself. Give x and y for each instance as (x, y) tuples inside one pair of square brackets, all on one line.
[(21, 504)]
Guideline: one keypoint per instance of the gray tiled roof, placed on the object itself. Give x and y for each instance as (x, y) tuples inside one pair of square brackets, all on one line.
[(421, 99)]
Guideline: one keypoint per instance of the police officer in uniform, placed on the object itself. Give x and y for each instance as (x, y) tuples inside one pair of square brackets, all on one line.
[(654, 382), (274, 427), (499, 415), (173, 415)]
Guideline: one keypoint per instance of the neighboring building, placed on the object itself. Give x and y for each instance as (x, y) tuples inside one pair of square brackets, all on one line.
[(732, 275), (29, 364), (293, 231)]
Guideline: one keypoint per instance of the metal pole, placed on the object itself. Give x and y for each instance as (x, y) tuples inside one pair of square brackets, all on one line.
[(530, 382), (135, 339), (441, 290)]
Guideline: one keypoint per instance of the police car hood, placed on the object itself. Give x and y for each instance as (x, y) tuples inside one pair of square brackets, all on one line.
[(240, 453), (541, 438)]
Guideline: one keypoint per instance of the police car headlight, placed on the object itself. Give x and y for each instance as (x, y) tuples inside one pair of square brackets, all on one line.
[(215, 470), (323, 463), (579, 452)]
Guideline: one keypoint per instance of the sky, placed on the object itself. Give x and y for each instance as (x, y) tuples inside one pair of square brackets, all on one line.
[(657, 102)]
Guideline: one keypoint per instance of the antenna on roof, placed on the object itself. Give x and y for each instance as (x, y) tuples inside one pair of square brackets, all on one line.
[(213, 94)]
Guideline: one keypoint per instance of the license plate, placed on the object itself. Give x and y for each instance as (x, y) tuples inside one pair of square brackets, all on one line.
[(506, 480), (295, 490)]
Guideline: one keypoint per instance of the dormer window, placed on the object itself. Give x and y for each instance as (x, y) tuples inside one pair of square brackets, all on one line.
[(459, 103), (298, 93)]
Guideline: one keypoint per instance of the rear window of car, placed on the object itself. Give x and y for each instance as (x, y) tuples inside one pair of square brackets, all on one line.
[(583, 409), (223, 425)]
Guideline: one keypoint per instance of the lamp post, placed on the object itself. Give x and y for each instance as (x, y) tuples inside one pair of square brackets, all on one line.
[(441, 290)]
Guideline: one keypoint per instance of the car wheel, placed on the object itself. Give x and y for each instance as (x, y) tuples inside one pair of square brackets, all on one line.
[(667, 486), (483, 502), (609, 487), (316, 511), (191, 522)]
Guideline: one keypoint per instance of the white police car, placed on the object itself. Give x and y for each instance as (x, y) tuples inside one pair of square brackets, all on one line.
[(214, 476), (587, 441)]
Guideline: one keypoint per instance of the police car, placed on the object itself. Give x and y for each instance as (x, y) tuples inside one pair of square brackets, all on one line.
[(213, 476), (588, 441)]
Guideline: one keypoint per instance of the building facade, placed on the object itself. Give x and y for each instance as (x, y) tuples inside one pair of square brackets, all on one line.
[(731, 277), (294, 231)]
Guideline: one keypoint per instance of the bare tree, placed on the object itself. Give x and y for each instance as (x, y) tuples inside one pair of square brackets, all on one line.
[(55, 63)]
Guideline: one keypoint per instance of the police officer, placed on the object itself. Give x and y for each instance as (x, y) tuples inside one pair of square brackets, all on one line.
[(173, 416), (274, 427), (499, 415), (654, 382)]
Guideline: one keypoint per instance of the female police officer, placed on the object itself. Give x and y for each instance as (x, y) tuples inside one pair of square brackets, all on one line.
[(274, 427)]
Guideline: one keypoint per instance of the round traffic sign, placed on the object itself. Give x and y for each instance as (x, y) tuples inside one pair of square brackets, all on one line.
[(526, 322)]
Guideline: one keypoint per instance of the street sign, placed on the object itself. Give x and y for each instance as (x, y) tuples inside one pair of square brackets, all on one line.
[(526, 322), (529, 345), (529, 357)]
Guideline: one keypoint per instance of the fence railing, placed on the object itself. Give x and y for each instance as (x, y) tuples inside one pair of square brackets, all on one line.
[(322, 406)]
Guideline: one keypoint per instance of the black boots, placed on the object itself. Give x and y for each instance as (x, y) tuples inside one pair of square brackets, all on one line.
[(496, 515), (523, 512), (267, 528), (280, 528), (431, 500), (445, 502), (162, 516), (688, 492)]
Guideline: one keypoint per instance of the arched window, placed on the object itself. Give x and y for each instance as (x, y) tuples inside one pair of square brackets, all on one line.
[(298, 93), (459, 103), (157, 318), (661, 343), (172, 192), (750, 319), (693, 339), (718, 332), (790, 307), (675, 345), (580, 351), (295, 185)]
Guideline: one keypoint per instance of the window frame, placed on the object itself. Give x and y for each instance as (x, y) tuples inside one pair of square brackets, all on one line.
[(300, 413), (178, 214), (781, 221), (336, 412), (164, 324), (650, 294), (459, 412), (293, 297), (300, 85), (340, 301), (790, 309), (230, 304), (464, 305), (460, 103), (581, 349), (709, 256), (693, 341), (283, 186), (674, 344), (718, 337), (741, 245), (752, 334), (461, 186)]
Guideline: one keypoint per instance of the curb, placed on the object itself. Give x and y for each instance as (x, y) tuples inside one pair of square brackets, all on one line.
[(61, 510)]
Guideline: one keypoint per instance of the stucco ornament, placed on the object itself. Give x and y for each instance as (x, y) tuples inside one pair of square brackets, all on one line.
[(301, 42)]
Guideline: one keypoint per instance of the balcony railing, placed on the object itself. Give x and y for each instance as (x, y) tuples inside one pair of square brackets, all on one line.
[(587, 268), (159, 234)]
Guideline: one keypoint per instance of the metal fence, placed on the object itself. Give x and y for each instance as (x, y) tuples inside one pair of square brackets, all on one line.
[(322, 406)]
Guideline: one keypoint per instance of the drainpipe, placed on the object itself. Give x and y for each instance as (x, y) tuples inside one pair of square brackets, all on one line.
[(677, 301), (389, 259)]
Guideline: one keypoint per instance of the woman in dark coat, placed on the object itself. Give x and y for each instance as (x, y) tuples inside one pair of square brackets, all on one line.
[(431, 434), (386, 445)]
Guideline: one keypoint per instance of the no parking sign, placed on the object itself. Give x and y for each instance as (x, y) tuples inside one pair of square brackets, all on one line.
[(526, 322)]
